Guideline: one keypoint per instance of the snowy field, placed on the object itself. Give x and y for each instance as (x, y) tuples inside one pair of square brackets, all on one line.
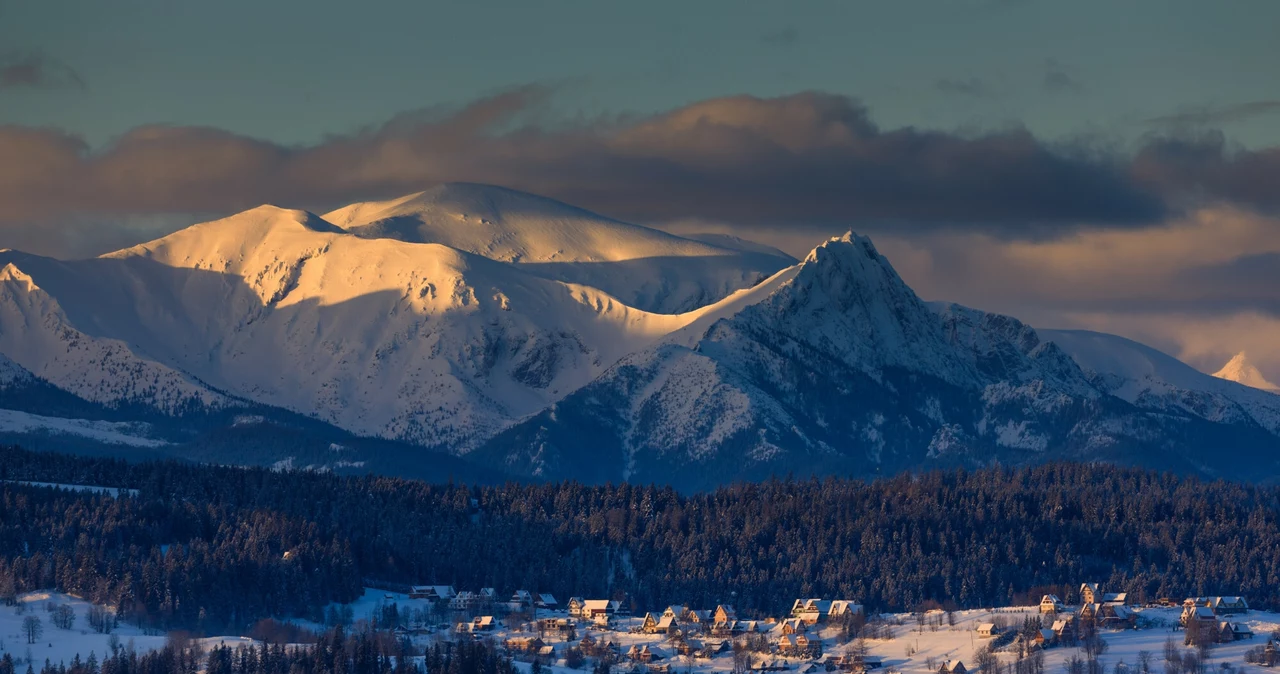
[(910, 649), (59, 645)]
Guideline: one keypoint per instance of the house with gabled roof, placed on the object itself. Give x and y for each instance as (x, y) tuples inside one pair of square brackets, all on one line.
[(575, 606), (952, 667), (724, 613), (1050, 604)]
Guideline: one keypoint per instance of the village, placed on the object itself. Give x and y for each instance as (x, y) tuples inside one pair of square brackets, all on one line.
[(1099, 632)]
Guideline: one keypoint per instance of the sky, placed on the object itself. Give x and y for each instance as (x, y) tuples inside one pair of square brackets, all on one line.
[(1089, 164)]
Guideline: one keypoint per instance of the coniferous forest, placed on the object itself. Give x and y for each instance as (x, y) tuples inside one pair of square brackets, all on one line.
[(211, 548)]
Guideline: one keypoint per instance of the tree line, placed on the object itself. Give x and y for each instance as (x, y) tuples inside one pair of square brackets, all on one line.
[(206, 547)]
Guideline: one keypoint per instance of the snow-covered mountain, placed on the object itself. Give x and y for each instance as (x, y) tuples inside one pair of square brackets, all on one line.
[(540, 340), (645, 268), (1241, 371), (842, 368)]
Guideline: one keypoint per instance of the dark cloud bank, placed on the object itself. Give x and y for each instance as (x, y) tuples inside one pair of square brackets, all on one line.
[(809, 159)]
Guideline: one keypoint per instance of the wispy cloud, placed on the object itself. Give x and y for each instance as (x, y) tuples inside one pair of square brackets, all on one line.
[(1214, 116), (964, 87), (34, 70), (1058, 79)]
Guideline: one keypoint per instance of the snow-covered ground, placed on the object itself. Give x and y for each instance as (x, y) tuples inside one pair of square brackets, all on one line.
[(110, 432), (59, 645)]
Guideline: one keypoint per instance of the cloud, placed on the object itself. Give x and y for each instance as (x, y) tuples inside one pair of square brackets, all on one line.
[(1209, 116), (809, 159), (33, 70), (1203, 166), (1057, 79), (971, 87), (787, 36)]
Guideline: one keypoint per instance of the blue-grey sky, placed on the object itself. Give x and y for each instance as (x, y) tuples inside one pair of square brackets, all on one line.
[(1109, 164), (293, 71)]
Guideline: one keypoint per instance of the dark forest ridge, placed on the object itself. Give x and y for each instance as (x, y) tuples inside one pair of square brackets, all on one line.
[(980, 538)]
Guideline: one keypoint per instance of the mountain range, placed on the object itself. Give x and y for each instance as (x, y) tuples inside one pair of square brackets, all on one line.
[(481, 333)]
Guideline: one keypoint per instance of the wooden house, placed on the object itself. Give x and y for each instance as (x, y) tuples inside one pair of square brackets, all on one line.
[(1050, 604), (988, 630), (952, 667), (1089, 593), (724, 613)]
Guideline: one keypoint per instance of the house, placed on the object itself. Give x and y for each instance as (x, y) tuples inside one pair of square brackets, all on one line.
[(488, 594), (870, 662), (521, 599), (691, 648), (786, 644), (483, 623), (1089, 593), (644, 654), (1050, 604), (1230, 605), (699, 616), (952, 667), (465, 602), (843, 608), (545, 601), (724, 613), (655, 624), (1089, 612), (1045, 638), (1200, 614), (810, 610), (594, 607), (1233, 632), (602, 619), (557, 625), (575, 607), (794, 626), (1115, 598), (802, 642), (1065, 628), (677, 612), (986, 630), (1115, 615), (432, 592), (547, 652)]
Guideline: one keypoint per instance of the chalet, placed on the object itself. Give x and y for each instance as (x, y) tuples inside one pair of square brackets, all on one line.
[(802, 642), (602, 619), (1115, 615), (986, 630), (700, 616), (842, 608), (1233, 631), (786, 644), (691, 648), (521, 599), (483, 623), (575, 607), (952, 667), (1121, 598), (1089, 593), (594, 607), (794, 626), (1065, 628), (810, 610), (677, 612), (1045, 638), (724, 613), (488, 594), (547, 652), (1050, 604), (1201, 614), (432, 592), (545, 601), (644, 654), (1089, 612), (655, 624), (1230, 605)]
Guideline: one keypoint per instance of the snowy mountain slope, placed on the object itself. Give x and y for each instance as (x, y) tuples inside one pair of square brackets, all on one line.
[(36, 335), (414, 342), (1241, 371), (1155, 380), (645, 268), (839, 367)]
